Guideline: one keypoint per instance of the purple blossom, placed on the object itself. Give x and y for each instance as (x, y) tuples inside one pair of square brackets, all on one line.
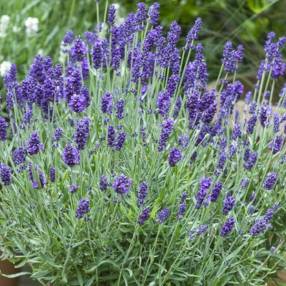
[(79, 102), (83, 208), (144, 215), (71, 155), (103, 183), (250, 159), (42, 178), (120, 104), (34, 145), (163, 215), (276, 144), (78, 50), (154, 13), (122, 184), (227, 227), (216, 191), (58, 134), (73, 188), (111, 15), (19, 155), (251, 124), (232, 57), (205, 183), (174, 157), (5, 174), (82, 132), (184, 141), (228, 204), (167, 128), (111, 136), (182, 209), (106, 103), (194, 32), (120, 141), (142, 193), (3, 129), (270, 181), (52, 174), (68, 38)]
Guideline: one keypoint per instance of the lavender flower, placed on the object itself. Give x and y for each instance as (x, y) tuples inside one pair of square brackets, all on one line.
[(167, 128), (120, 108), (144, 215), (163, 215), (58, 134), (111, 136), (174, 157), (78, 50), (103, 183), (227, 227), (83, 208), (111, 15), (228, 204), (270, 181), (106, 103), (79, 102), (19, 155), (73, 188), (259, 227), (68, 37), (276, 144), (53, 174), (122, 184), (42, 178), (142, 193), (250, 159), (71, 155), (182, 209), (5, 174), (82, 132), (34, 145), (120, 141), (3, 129), (154, 13), (194, 32), (202, 193), (216, 191)]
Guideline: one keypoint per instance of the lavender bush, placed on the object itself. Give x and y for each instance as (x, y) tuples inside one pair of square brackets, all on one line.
[(122, 167)]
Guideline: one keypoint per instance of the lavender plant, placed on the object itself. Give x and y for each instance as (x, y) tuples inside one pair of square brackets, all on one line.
[(122, 167)]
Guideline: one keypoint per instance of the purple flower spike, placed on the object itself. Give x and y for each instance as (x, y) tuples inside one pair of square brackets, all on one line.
[(122, 184), (34, 145), (71, 155), (174, 157), (142, 193), (144, 215), (3, 129), (5, 174), (83, 208), (227, 227), (163, 215), (270, 181)]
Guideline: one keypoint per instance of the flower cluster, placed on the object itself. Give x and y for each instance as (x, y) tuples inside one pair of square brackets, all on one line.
[(127, 155)]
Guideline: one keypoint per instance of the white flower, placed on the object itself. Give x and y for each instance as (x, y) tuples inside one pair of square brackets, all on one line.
[(32, 26), (4, 23), (4, 67)]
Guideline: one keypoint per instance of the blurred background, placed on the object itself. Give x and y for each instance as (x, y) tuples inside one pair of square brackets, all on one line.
[(242, 21)]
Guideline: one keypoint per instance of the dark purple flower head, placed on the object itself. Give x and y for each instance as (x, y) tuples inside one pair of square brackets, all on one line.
[(251, 124), (216, 191), (276, 144), (244, 183), (111, 136), (120, 104), (202, 193), (154, 14), (79, 102), (79, 50), (184, 141), (182, 209), (250, 159), (82, 132), (144, 215), (42, 178), (71, 155), (142, 193), (264, 114), (270, 212), (83, 208), (19, 155), (232, 57), (228, 204), (174, 157), (106, 103), (260, 226), (3, 129), (270, 181), (58, 134), (99, 53), (120, 141), (53, 174), (141, 13), (163, 102), (276, 122), (194, 32), (174, 33), (5, 174), (34, 145), (68, 38), (163, 215), (73, 188), (227, 227), (167, 128), (122, 184), (103, 183), (111, 15)]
